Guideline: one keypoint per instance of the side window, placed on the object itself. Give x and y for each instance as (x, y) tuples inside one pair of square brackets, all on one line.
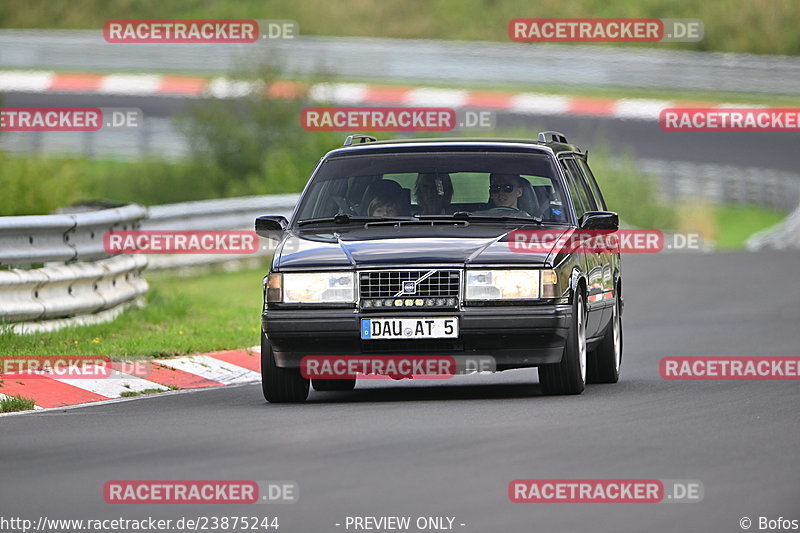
[(589, 177), (576, 188)]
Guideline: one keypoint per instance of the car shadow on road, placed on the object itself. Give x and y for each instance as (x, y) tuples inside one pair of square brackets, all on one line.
[(430, 393)]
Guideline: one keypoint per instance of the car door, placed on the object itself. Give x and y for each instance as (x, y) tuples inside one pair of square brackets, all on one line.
[(595, 262), (611, 260)]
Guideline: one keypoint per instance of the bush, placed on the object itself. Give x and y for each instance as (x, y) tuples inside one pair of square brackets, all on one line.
[(239, 147), (254, 145), (631, 193)]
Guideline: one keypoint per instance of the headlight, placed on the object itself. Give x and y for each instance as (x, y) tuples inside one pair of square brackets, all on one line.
[(511, 284), (316, 287)]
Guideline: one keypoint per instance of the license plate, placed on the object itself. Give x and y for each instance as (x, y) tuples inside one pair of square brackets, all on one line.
[(409, 328)]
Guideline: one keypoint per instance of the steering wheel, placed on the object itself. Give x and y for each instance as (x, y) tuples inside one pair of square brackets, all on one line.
[(505, 210)]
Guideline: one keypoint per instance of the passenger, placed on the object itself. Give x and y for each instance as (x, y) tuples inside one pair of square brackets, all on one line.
[(384, 206), (434, 193)]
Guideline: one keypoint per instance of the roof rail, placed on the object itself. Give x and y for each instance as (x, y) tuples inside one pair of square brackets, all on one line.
[(361, 139), (552, 137)]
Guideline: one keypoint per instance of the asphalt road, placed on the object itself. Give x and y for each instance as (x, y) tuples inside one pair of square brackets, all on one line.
[(639, 139), (451, 448)]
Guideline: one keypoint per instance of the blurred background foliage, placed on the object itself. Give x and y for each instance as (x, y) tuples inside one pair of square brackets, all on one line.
[(762, 27)]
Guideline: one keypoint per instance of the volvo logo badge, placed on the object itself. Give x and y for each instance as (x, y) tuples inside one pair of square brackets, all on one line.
[(409, 287)]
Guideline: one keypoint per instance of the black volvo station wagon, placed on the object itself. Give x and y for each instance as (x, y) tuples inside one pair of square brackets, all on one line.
[(405, 247)]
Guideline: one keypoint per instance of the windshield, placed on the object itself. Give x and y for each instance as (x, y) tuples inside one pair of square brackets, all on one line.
[(407, 185)]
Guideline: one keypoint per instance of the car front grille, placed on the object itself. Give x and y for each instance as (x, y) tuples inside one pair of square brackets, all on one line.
[(432, 288)]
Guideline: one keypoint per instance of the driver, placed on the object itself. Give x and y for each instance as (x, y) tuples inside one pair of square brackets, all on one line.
[(505, 190)]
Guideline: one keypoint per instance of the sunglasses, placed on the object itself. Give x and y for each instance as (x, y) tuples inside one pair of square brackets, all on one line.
[(508, 187)]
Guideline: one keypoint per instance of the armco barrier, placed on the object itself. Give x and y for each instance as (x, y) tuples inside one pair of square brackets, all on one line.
[(783, 236), (32, 240), (70, 290), (67, 274), (68, 278), (223, 214)]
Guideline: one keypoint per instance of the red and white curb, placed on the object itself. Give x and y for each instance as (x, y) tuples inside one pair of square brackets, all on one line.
[(214, 369), (351, 94)]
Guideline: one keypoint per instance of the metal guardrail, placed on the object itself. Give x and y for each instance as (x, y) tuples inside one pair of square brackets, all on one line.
[(70, 290), (75, 277), (78, 282), (678, 181), (30, 240), (223, 214), (417, 60), (783, 236)]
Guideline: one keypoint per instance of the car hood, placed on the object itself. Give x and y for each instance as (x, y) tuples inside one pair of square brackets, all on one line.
[(404, 247)]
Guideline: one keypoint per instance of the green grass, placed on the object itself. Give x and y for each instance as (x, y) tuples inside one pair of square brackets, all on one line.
[(735, 224), (33, 185), (766, 27), (16, 403), (210, 312)]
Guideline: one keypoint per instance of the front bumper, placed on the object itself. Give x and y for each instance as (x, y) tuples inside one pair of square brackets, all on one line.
[(515, 336)]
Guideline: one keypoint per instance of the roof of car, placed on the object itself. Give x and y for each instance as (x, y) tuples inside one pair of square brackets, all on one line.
[(447, 143)]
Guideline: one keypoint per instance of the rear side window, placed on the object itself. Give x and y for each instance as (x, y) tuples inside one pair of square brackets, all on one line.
[(577, 189), (592, 183)]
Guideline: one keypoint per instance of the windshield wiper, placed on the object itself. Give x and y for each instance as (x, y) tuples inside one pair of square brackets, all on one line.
[(466, 215), (347, 219)]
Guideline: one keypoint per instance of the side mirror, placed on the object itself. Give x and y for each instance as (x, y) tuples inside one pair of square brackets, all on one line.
[(269, 226), (599, 220)]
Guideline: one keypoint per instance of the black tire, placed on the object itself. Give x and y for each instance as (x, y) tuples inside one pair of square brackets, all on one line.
[(606, 359), (569, 376), (280, 385), (334, 384)]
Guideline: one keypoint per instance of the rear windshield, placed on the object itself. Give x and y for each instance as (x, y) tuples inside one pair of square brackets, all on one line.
[(405, 185)]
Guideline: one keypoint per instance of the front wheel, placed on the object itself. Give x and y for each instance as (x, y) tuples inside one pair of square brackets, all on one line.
[(569, 376), (280, 385)]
